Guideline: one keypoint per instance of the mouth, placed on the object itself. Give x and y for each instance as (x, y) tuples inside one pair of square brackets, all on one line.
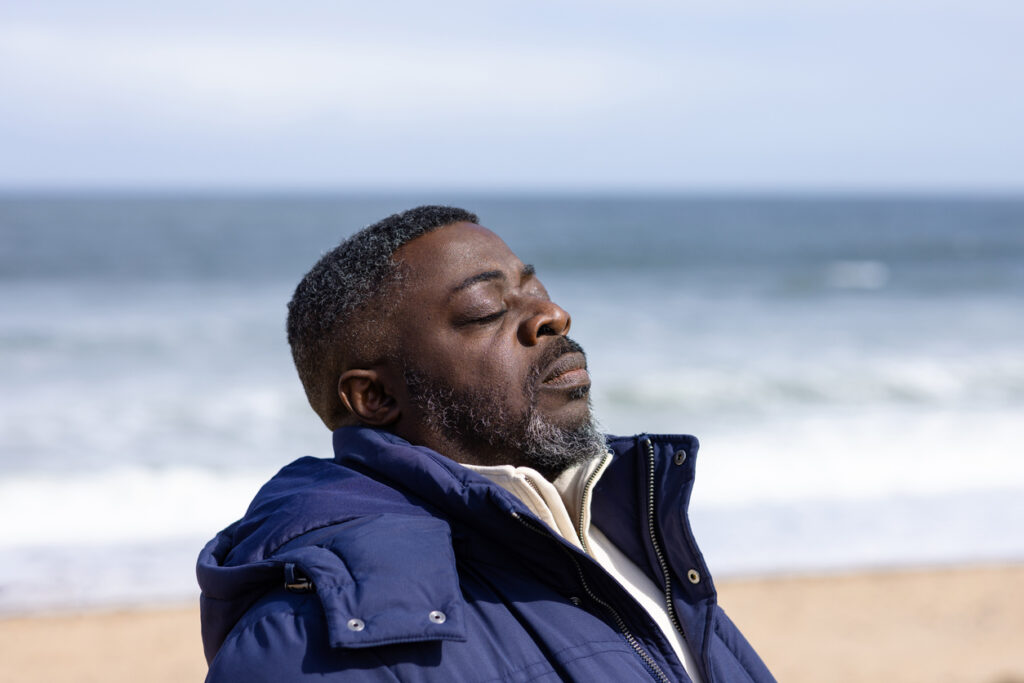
[(568, 371)]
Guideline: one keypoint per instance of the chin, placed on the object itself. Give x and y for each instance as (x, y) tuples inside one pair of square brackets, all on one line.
[(576, 416)]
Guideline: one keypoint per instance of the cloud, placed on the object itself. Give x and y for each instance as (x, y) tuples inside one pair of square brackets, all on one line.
[(735, 93), (258, 81)]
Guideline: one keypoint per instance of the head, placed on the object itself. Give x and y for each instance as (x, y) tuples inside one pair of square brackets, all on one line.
[(451, 342)]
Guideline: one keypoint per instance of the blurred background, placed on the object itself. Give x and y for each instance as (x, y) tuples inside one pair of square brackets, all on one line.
[(793, 229)]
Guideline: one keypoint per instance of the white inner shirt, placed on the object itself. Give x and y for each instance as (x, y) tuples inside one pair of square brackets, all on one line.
[(554, 503)]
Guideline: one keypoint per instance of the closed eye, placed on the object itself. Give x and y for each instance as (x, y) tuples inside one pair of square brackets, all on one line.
[(488, 318)]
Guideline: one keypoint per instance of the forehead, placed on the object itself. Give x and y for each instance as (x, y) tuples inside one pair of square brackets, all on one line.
[(446, 256)]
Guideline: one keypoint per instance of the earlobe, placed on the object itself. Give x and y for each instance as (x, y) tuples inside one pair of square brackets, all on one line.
[(365, 396)]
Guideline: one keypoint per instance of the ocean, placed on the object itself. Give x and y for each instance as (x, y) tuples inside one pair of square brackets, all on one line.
[(853, 367)]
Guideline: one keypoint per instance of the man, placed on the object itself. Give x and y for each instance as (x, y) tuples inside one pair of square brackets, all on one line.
[(473, 524)]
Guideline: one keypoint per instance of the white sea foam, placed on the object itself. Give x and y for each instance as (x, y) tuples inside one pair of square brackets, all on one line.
[(861, 456), (884, 531), (857, 455), (128, 504), (76, 576), (840, 380)]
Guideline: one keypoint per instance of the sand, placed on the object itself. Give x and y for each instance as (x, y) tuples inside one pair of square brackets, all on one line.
[(951, 626), (948, 625)]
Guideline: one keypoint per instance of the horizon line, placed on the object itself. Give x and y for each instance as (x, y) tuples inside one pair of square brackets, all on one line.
[(591, 192)]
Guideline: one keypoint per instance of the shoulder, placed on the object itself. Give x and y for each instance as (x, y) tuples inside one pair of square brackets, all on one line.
[(379, 580), (306, 495)]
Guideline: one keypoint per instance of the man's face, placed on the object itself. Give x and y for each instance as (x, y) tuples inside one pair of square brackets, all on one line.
[(491, 376)]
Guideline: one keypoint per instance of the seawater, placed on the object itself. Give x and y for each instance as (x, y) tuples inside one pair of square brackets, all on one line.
[(854, 368)]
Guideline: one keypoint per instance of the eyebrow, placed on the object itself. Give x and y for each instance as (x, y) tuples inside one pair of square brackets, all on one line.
[(488, 275)]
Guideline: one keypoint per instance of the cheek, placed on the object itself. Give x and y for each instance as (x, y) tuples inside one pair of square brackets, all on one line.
[(478, 362), (512, 370), (496, 367)]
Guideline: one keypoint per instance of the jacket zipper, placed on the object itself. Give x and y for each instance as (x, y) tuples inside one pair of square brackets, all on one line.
[(620, 623), (583, 501), (662, 563)]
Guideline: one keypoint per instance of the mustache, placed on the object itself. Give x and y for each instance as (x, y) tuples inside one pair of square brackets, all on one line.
[(558, 348)]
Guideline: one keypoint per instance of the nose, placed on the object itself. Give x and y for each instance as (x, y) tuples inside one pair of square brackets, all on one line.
[(549, 319)]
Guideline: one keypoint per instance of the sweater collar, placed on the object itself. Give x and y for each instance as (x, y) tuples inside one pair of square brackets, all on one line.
[(562, 504)]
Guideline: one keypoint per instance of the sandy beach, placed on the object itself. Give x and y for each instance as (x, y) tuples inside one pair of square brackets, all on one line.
[(939, 625)]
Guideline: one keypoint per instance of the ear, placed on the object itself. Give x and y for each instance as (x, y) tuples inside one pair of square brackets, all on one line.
[(364, 394)]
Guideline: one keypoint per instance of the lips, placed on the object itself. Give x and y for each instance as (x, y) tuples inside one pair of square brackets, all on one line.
[(568, 370)]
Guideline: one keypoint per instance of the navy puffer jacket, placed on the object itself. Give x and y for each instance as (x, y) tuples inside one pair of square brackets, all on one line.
[(393, 563)]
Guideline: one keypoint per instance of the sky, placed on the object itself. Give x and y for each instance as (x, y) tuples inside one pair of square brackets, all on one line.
[(552, 95)]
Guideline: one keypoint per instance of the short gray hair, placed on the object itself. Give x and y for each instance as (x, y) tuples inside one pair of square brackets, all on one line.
[(330, 321)]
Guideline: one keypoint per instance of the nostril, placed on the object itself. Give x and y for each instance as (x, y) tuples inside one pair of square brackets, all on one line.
[(546, 330)]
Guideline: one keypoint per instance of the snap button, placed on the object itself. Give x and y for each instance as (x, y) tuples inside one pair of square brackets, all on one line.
[(437, 617), (680, 457), (693, 575), (356, 625)]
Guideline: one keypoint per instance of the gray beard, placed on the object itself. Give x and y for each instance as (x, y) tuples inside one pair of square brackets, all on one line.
[(479, 421)]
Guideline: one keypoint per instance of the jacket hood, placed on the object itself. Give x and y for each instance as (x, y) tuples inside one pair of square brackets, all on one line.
[(323, 520)]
